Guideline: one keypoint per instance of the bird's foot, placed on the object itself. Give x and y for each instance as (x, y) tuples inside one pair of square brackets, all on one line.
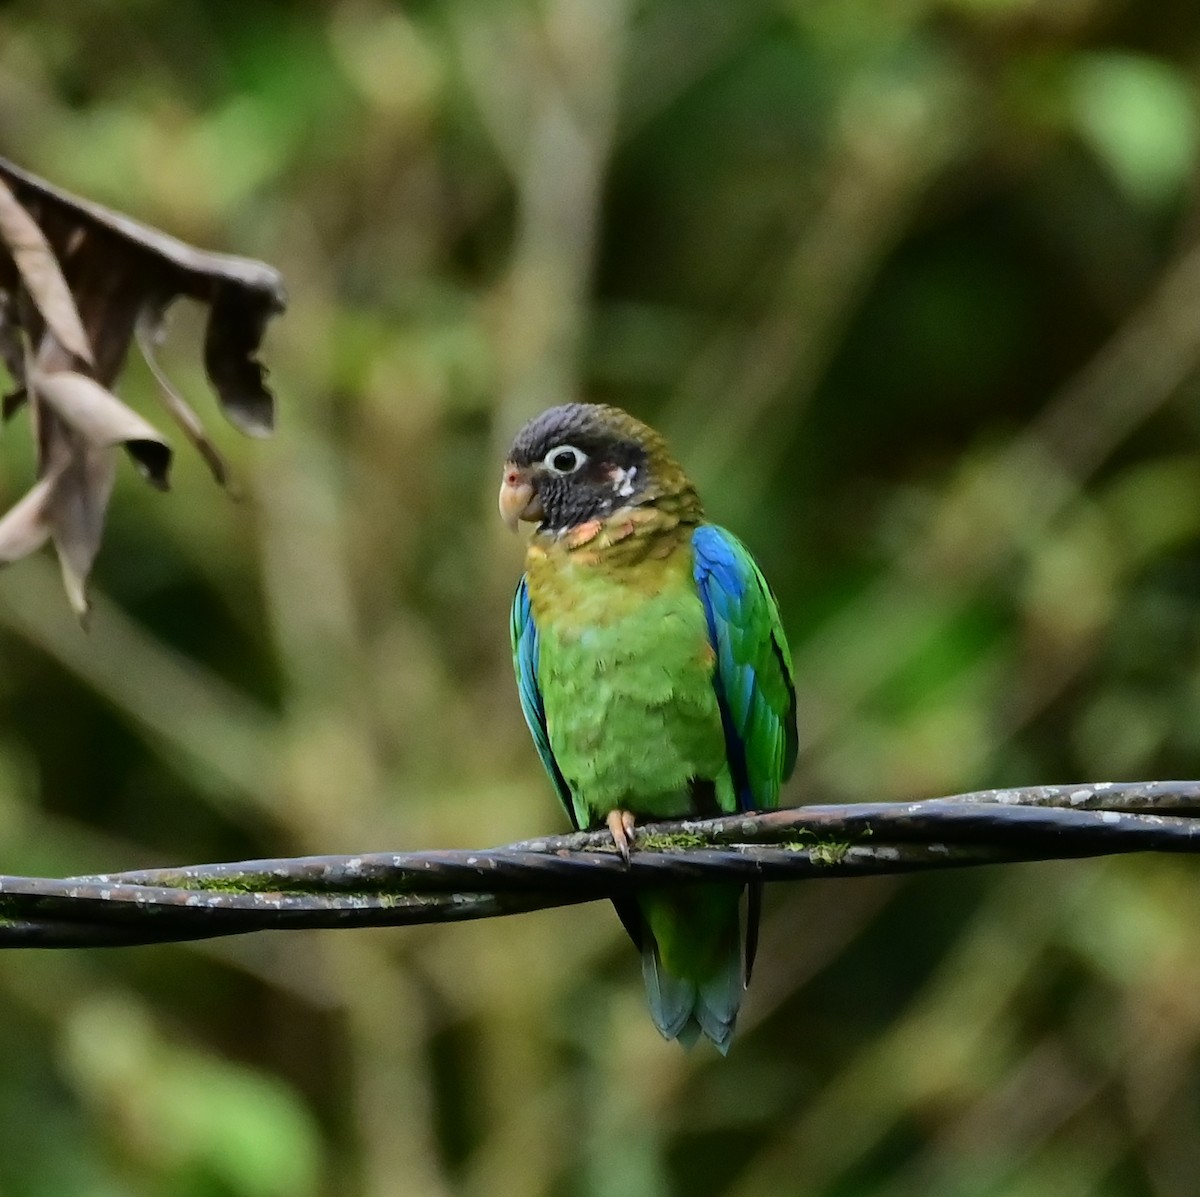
[(620, 825)]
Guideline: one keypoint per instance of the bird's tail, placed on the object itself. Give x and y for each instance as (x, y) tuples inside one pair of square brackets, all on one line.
[(692, 961)]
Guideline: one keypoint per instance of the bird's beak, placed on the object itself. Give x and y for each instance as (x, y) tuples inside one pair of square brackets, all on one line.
[(518, 498)]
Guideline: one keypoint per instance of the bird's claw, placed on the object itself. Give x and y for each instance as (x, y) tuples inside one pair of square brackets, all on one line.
[(620, 826)]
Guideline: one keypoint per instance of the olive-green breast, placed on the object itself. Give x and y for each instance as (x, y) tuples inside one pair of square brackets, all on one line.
[(625, 669)]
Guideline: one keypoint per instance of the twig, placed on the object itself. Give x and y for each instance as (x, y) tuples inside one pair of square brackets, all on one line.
[(406, 888)]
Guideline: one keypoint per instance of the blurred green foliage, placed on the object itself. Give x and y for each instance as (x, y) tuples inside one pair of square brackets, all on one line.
[(915, 291)]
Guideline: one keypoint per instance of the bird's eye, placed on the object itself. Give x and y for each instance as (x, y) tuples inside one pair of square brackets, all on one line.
[(564, 459)]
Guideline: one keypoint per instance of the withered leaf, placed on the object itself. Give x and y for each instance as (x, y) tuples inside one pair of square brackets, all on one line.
[(40, 274), (76, 507), (149, 332), (102, 421), (77, 280), (26, 527), (235, 329), (117, 266)]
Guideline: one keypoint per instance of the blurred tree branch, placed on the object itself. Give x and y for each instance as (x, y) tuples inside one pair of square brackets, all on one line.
[(408, 888)]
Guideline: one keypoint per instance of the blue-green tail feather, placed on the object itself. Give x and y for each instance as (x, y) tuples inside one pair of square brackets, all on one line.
[(672, 999), (693, 962), (718, 1000)]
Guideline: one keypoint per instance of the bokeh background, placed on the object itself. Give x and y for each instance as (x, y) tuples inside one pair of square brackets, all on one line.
[(914, 288)]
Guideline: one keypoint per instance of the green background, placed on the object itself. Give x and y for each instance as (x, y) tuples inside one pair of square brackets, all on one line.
[(913, 286)]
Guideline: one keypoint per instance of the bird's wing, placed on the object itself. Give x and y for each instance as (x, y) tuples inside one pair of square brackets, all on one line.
[(753, 677), (524, 635)]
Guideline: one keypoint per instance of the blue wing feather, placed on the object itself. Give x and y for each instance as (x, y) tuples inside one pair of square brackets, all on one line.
[(524, 634), (753, 676)]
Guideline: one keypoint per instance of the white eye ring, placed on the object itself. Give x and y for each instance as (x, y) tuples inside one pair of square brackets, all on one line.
[(564, 459)]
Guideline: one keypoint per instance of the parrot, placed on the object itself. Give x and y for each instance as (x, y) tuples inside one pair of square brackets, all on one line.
[(655, 679)]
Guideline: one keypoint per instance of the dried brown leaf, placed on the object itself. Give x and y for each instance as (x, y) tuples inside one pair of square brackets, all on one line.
[(67, 254), (148, 334), (78, 501), (235, 329), (117, 267), (26, 526), (67, 504), (101, 421), (40, 274)]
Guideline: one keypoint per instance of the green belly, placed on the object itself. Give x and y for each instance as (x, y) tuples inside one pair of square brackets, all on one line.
[(630, 706)]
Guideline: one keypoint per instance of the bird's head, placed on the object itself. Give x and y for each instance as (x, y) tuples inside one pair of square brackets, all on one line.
[(581, 462)]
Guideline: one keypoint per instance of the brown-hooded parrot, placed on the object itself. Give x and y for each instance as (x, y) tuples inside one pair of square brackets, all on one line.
[(654, 676)]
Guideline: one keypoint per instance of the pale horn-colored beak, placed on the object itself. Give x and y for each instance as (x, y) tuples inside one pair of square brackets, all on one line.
[(518, 499)]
